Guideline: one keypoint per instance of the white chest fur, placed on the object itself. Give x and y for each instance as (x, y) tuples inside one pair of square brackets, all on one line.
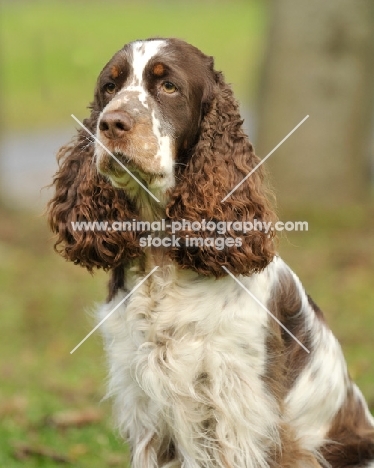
[(183, 350)]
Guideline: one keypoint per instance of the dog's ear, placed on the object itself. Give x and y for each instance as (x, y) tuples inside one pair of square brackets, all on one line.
[(82, 195), (221, 159)]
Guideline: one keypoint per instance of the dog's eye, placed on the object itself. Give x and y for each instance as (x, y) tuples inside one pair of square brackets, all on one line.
[(109, 88), (168, 87)]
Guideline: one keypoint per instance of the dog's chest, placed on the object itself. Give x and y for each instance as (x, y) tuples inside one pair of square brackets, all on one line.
[(185, 352), (176, 328)]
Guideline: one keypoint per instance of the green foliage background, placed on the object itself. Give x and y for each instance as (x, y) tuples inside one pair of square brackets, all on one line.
[(52, 51)]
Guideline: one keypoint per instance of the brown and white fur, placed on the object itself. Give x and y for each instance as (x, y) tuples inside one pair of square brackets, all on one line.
[(201, 375)]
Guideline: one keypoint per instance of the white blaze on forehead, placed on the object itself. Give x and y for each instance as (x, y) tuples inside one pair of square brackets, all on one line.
[(142, 52)]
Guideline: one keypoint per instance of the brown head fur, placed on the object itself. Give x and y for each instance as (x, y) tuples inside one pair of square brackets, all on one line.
[(221, 158), (210, 162)]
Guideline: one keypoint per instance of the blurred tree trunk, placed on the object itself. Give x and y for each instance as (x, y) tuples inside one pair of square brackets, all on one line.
[(320, 61)]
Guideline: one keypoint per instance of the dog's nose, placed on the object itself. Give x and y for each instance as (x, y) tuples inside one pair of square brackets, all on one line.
[(115, 124)]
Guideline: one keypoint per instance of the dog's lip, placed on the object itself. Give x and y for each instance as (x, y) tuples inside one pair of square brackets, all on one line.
[(138, 172)]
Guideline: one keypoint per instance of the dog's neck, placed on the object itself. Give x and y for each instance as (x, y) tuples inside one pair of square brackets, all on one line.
[(152, 212)]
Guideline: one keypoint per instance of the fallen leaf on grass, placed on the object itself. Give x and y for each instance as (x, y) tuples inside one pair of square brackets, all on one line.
[(117, 460), (13, 405), (78, 450), (24, 451), (75, 418)]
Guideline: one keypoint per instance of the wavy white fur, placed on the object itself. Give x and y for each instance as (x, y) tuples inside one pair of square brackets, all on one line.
[(179, 328)]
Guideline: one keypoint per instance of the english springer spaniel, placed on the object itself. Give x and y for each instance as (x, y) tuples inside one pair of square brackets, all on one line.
[(201, 374)]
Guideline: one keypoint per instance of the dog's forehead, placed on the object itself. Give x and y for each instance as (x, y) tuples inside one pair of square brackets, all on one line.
[(141, 53), (134, 57)]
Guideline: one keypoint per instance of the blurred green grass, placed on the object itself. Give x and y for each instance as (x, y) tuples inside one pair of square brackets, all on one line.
[(45, 305), (52, 51)]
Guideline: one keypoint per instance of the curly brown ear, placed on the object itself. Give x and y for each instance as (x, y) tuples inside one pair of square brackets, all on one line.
[(222, 157), (83, 195)]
